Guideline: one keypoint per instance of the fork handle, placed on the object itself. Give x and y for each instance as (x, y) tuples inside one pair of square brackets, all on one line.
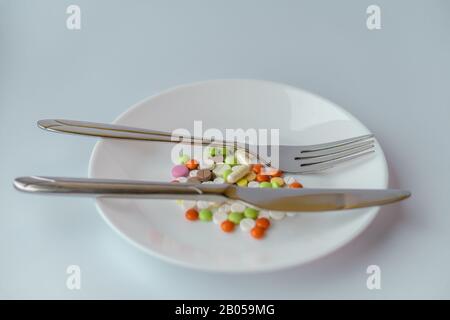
[(120, 188), (122, 132)]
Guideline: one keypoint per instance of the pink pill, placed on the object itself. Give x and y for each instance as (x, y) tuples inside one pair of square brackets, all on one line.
[(180, 171)]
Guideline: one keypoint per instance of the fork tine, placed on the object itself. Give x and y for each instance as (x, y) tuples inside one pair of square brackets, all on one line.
[(335, 156), (335, 150), (328, 145), (311, 168)]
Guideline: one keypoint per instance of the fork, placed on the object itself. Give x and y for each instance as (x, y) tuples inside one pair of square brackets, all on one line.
[(295, 159)]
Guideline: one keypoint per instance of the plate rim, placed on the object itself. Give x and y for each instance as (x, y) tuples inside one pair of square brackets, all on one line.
[(273, 267)]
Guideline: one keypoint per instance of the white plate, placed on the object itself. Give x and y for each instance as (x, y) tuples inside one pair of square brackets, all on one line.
[(159, 227)]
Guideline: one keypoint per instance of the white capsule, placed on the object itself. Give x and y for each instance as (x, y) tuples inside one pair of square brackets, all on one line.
[(182, 179), (277, 215), (247, 224), (237, 207), (188, 204), (193, 173), (219, 217), (202, 204), (264, 214), (238, 173)]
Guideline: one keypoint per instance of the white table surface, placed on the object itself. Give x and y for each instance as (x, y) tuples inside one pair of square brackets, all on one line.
[(395, 80)]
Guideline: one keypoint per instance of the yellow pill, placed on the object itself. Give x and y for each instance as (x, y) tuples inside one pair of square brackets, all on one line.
[(251, 176), (279, 181), (242, 183)]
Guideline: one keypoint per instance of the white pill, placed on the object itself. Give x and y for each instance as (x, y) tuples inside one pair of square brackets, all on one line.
[(225, 208), (247, 224), (219, 169), (238, 173), (188, 204), (237, 207), (289, 179), (264, 214), (219, 217), (277, 215), (207, 182), (193, 173), (253, 184), (219, 180), (202, 204), (206, 164), (291, 214), (214, 204), (182, 179)]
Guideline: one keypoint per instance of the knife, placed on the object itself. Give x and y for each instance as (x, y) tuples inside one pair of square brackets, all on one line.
[(281, 199)]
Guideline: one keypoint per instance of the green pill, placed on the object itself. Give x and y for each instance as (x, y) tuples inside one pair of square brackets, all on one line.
[(223, 151), (212, 152), (275, 185), (183, 159), (235, 217), (251, 213), (226, 173), (265, 185), (205, 215)]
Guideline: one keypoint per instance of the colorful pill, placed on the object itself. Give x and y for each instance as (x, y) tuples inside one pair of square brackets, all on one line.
[(257, 232), (235, 217), (191, 214), (227, 226), (180, 171), (205, 215), (191, 164)]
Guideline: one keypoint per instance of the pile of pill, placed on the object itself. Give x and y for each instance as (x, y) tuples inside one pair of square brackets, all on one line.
[(226, 166)]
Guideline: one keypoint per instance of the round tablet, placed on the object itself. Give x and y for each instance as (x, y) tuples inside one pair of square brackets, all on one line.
[(219, 217), (247, 224), (277, 215), (253, 184), (219, 180), (193, 173), (180, 171), (264, 214), (225, 208), (202, 204), (237, 207)]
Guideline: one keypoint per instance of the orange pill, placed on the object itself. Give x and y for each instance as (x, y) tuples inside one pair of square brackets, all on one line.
[(191, 214), (263, 223), (262, 178), (295, 185), (258, 232), (191, 164), (227, 226), (272, 172), (257, 168)]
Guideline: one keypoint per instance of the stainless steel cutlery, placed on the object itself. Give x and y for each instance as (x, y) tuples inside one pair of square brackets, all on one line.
[(282, 199), (295, 159)]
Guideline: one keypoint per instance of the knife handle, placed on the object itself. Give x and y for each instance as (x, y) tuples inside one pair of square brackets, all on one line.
[(120, 188)]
